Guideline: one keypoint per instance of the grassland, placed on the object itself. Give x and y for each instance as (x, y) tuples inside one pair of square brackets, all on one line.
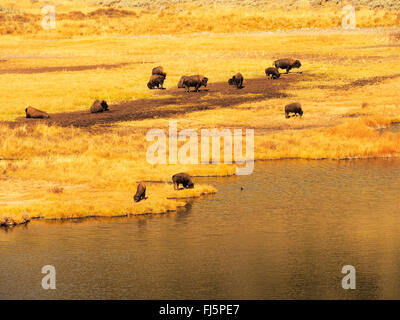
[(349, 89)]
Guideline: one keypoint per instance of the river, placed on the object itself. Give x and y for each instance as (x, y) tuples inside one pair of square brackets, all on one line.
[(286, 235)]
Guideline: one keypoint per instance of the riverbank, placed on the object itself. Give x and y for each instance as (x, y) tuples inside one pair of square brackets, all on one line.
[(76, 167)]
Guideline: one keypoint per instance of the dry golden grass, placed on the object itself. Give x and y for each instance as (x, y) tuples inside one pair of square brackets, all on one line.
[(98, 169), (83, 19)]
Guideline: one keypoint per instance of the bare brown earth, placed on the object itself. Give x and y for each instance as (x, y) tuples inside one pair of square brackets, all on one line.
[(174, 101)]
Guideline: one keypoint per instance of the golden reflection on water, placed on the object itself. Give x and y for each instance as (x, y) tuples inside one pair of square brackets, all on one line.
[(286, 235)]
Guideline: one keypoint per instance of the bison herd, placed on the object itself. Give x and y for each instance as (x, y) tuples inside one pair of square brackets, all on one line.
[(182, 178), (157, 79), (158, 76)]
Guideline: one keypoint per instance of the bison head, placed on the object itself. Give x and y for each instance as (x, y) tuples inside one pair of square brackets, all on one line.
[(104, 105), (301, 112), (230, 81), (149, 85), (297, 64), (204, 81), (190, 185)]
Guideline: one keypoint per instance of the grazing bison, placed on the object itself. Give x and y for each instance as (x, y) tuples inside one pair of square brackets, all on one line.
[(156, 81), (159, 70), (99, 106), (184, 179), (293, 108), (35, 113), (272, 73), (140, 192), (195, 81), (236, 80), (287, 64)]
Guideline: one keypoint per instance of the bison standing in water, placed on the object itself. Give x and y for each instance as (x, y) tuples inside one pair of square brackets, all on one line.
[(156, 80), (287, 64), (159, 71), (99, 106), (36, 113), (236, 80), (272, 73), (293, 108), (184, 179), (140, 192), (195, 81)]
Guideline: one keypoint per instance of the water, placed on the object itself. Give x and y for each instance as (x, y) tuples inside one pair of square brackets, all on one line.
[(287, 235)]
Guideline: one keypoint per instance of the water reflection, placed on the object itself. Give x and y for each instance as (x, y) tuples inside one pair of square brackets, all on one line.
[(287, 234)]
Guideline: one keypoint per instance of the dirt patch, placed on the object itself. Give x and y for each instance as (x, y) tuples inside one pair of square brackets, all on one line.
[(170, 102), (356, 83), (371, 81), (66, 68)]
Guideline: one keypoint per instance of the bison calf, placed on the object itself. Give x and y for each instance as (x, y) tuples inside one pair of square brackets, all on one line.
[(98, 106), (35, 113), (236, 80), (287, 64), (272, 73), (159, 71), (184, 179), (156, 80), (195, 81), (293, 108), (140, 192)]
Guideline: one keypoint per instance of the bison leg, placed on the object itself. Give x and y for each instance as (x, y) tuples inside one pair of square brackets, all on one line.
[(288, 69)]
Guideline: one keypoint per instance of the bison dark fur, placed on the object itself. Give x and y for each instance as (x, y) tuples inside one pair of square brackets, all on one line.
[(195, 81), (184, 179), (140, 192), (99, 106), (156, 80), (159, 70), (236, 80), (287, 64), (36, 113), (272, 73), (293, 108)]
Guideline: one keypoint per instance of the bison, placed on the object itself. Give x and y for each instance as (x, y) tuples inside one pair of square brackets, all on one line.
[(184, 179), (156, 80), (159, 71), (236, 80), (140, 192), (35, 113), (272, 73), (99, 106), (287, 64), (195, 81), (293, 108)]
